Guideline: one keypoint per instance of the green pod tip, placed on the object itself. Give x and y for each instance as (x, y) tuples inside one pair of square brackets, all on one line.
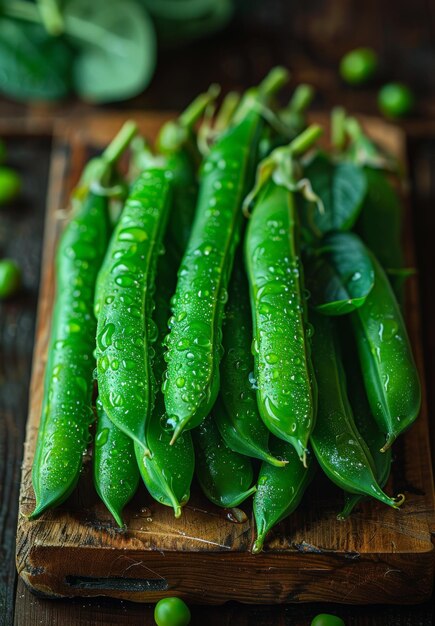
[(179, 428), (350, 503), (379, 494), (391, 438), (258, 544), (240, 498)]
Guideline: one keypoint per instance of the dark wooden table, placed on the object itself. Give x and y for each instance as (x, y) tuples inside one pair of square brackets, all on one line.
[(309, 38)]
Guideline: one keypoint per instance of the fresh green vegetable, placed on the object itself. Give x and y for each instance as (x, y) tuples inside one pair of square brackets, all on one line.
[(10, 278), (390, 375), (33, 65), (395, 100), (236, 414), (358, 66), (172, 612), (116, 474), (225, 476), (279, 490), (286, 387), (380, 220), (365, 424), (177, 141), (325, 619), (339, 274), (339, 448), (10, 184), (168, 472), (340, 189), (66, 413), (194, 342), (125, 331)]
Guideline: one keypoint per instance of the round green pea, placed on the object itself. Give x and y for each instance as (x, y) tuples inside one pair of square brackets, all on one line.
[(395, 100), (10, 184), (10, 278), (358, 66), (171, 612), (325, 619)]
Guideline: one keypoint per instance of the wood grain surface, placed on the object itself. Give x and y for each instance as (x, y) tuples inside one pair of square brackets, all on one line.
[(379, 555)]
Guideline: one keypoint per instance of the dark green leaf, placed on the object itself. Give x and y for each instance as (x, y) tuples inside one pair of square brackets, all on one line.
[(116, 48), (33, 65), (341, 188), (339, 275)]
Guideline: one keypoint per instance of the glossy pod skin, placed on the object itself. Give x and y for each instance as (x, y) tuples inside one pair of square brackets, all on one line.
[(380, 221), (286, 386), (279, 490), (116, 474), (390, 375), (67, 413), (124, 339), (365, 424), (337, 445), (225, 476), (168, 472), (177, 142), (194, 340), (236, 413)]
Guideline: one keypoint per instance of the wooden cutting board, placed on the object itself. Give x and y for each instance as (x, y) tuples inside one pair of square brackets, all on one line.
[(377, 556)]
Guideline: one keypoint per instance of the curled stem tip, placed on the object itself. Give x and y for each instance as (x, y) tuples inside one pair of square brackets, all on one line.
[(399, 500)]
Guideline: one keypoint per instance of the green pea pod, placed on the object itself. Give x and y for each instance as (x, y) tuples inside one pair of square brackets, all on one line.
[(177, 141), (168, 472), (338, 447), (236, 412), (279, 490), (390, 375), (366, 426), (286, 386), (194, 340), (380, 221), (116, 474), (66, 411), (125, 331), (225, 476)]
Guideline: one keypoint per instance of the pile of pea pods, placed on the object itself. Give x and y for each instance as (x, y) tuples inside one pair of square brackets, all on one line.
[(231, 308)]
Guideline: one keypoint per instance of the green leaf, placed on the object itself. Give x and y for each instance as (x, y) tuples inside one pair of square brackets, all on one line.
[(339, 275), (116, 48), (341, 188), (33, 65)]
